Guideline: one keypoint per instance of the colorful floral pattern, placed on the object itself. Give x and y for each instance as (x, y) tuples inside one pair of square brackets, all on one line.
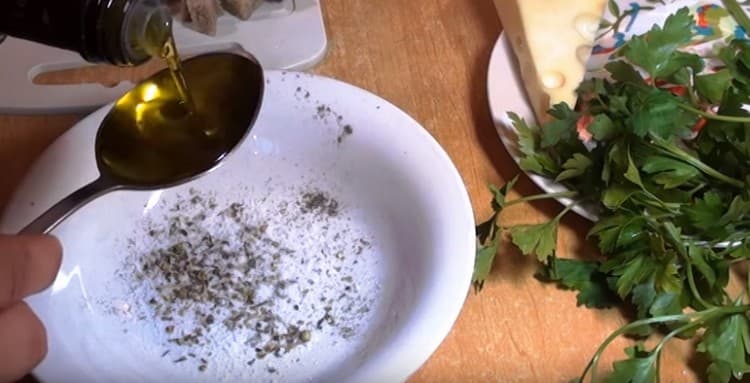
[(625, 18)]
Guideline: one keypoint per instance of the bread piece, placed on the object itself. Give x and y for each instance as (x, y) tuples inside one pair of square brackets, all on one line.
[(178, 10), (203, 15), (552, 41), (241, 9)]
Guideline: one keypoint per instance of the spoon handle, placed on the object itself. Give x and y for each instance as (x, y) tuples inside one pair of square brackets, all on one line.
[(67, 206)]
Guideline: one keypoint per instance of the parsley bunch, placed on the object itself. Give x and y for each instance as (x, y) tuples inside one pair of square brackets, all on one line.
[(661, 149)]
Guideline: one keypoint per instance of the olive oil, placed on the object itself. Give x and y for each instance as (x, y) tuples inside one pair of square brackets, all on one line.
[(170, 55), (158, 134)]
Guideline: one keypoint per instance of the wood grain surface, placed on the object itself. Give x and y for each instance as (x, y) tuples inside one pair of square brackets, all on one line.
[(430, 58)]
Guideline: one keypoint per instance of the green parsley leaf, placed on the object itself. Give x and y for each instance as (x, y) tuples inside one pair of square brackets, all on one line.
[(706, 213), (712, 86), (736, 64), (489, 234), (699, 257), (614, 197), (615, 161), (618, 231), (538, 240), (640, 367), (500, 194), (630, 273), (529, 138), (582, 276), (602, 128), (676, 69), (637, 265), (654, 50), (738, 209), (526, 137), (592, 86), (624, 72), (574, 167), (660, 115), (707, 210), (619, 105), (632, 173), (667, 303), (669, 172), (562, 128), (726, 342), (486, 230), (643, 296), (485, 257)]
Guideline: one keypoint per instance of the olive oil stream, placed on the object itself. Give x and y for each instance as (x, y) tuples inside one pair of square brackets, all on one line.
[(170, 55), (165, 129)]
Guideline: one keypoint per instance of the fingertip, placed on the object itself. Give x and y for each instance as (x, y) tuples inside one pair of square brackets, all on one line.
[(46, 244), (55, 254), (45, 253), (28, 265), (37, 336), (23, 342)]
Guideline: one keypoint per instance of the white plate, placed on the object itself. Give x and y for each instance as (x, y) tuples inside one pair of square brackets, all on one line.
[(506, 94), (395, 186)]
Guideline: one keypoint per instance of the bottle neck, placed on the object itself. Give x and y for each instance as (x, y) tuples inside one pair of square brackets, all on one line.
[(119, 32), (126, 32)]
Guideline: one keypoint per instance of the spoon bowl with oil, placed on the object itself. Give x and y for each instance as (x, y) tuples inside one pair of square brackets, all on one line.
[(164, 132)]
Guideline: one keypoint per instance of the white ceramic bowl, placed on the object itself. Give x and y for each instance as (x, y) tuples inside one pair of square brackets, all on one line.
[(395, 186)]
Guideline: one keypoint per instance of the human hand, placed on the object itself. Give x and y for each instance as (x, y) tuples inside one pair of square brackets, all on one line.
[(28, 264)]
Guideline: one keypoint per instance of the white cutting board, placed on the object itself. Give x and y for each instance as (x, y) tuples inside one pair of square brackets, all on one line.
[(287, 35)]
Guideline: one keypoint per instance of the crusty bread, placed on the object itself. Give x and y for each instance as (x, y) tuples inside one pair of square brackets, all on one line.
[(178, 9), (241, 9), (203, 15)]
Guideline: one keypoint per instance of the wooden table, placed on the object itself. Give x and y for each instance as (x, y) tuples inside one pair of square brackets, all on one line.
[(430, 58)]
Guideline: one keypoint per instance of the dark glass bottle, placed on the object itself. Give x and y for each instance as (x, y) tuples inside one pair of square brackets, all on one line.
[(119, 32)]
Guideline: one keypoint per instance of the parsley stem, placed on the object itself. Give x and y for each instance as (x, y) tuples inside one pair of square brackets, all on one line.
[(695, 318), (717, 117), (594, 362), (657, 350), (677, 331), (672, 236), (565, 194), (565, 211), (697, 188), (680, 154), (693, 287)]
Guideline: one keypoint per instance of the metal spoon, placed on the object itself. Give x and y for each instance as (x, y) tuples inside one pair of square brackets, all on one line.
[(140, 146)]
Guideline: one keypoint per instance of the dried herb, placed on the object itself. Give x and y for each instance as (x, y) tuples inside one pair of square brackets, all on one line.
[(216, 268), (319, 202), (346, 131)]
